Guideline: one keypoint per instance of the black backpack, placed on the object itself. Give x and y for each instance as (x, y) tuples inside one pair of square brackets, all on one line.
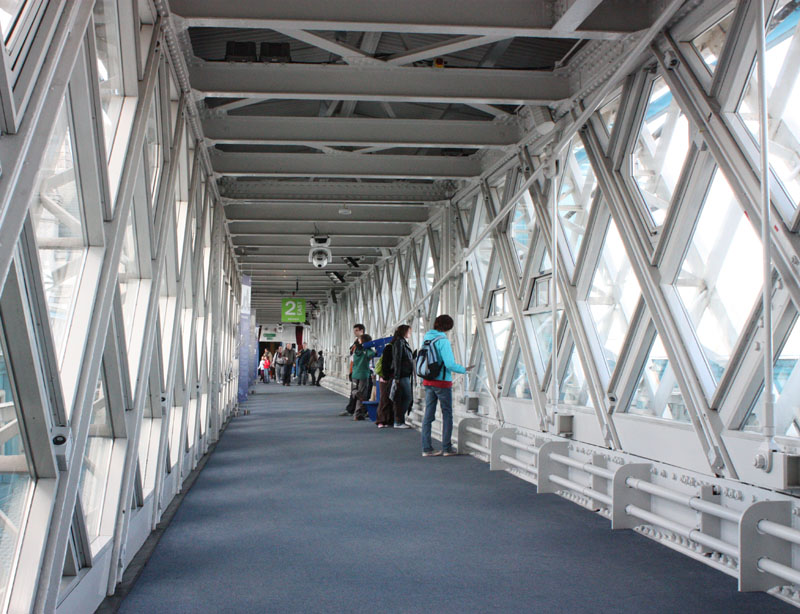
[(429, 364)]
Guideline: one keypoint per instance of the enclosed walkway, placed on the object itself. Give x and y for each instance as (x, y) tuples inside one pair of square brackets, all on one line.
[(299, 510)]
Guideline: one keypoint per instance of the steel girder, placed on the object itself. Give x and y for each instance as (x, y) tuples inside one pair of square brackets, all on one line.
[(344, 165), (344, 131), (475, 17), (344, 82)]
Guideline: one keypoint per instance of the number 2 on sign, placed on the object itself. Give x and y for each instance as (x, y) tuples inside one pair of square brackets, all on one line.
[(291, 308)]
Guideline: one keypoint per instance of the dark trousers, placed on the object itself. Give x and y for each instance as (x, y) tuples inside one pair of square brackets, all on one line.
[(403, 399), (302, 373), (385, 405), (287, 374), (351, 405)]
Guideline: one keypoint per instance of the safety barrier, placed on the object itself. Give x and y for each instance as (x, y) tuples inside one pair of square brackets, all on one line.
[(753, 543)]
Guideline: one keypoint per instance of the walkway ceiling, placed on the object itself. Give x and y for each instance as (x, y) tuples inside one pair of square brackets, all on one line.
[(353, 132)]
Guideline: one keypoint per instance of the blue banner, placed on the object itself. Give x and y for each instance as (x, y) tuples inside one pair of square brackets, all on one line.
[(245, 341)]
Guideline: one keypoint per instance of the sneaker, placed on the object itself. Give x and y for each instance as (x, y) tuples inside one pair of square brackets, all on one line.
[(432, 453), (382, 426), (358, 418), (449, 452), (345, 413), (402, 426)]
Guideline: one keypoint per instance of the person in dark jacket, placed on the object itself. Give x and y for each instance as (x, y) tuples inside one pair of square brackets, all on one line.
[(302, 364), (312, 367), (290, 355), (320, 367), (362, 375), (386, 377), (403, 367), (358, 330)]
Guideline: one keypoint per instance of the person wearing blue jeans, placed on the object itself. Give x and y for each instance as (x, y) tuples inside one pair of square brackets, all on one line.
[(440, 389)]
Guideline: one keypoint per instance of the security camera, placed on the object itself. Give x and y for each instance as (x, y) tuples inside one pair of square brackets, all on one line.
[(319, 257)]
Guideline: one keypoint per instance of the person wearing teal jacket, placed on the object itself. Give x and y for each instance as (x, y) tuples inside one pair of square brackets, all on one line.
[(362, 375), (440, 388)]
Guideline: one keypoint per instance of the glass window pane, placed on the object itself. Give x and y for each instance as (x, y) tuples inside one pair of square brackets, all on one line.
[(15, 481), (661, 148), (520, 228), (520, 387), (411, 278), (783, 113), (543, 333), (608, 113), (501, 331), (9, 12), (152, 148), (96, 462), (574, 390), (613, 296), (129, 274), (57, 216), (657, 393), (786, 390), (709, 44), (109, 66), (576, 196), (721, 274), (478, 381)]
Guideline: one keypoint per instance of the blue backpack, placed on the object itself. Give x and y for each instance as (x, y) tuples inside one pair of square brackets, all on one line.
[(429, 364)]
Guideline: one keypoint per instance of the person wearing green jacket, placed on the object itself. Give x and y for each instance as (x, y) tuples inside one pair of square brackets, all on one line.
[(362, 375)]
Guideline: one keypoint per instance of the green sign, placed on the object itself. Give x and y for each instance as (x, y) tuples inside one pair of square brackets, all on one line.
[(293, 310)]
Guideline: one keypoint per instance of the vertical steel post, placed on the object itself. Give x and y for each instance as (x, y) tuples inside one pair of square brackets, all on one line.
[(766, 295), (553, 172)]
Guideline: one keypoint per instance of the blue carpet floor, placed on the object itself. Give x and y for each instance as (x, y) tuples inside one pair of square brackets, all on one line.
[(299, 510)]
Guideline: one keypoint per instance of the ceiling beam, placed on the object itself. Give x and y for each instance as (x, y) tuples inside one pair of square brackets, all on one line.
[(325, 213), (459, 17), (345, 131), (343, 165), (344, 82), (335, 191), (299, 253), (340, 240)]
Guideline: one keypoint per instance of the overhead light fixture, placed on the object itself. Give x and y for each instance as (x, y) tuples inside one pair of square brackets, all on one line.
[(351, 262), (336, 278), (345, 210)]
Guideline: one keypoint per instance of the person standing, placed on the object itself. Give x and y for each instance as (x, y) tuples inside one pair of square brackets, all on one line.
[(290, 355), (302, 364), (385, 377), (403, 364), (439, 388), (320, 367), (358, 330), (280, 361), (312, 367), (362, 375)]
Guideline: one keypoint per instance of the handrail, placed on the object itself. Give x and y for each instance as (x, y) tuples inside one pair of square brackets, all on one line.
[(478, 447), (510, 460), (584, 490), (688, 532), (692, 502), (587, 467), (780, 531), (519, 445)]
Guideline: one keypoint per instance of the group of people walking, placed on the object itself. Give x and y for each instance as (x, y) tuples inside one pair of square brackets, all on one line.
[(307, 365), (395, 372)]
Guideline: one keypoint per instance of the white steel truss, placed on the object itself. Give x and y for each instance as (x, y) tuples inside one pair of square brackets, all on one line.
[(660, 336), (119, 302)]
